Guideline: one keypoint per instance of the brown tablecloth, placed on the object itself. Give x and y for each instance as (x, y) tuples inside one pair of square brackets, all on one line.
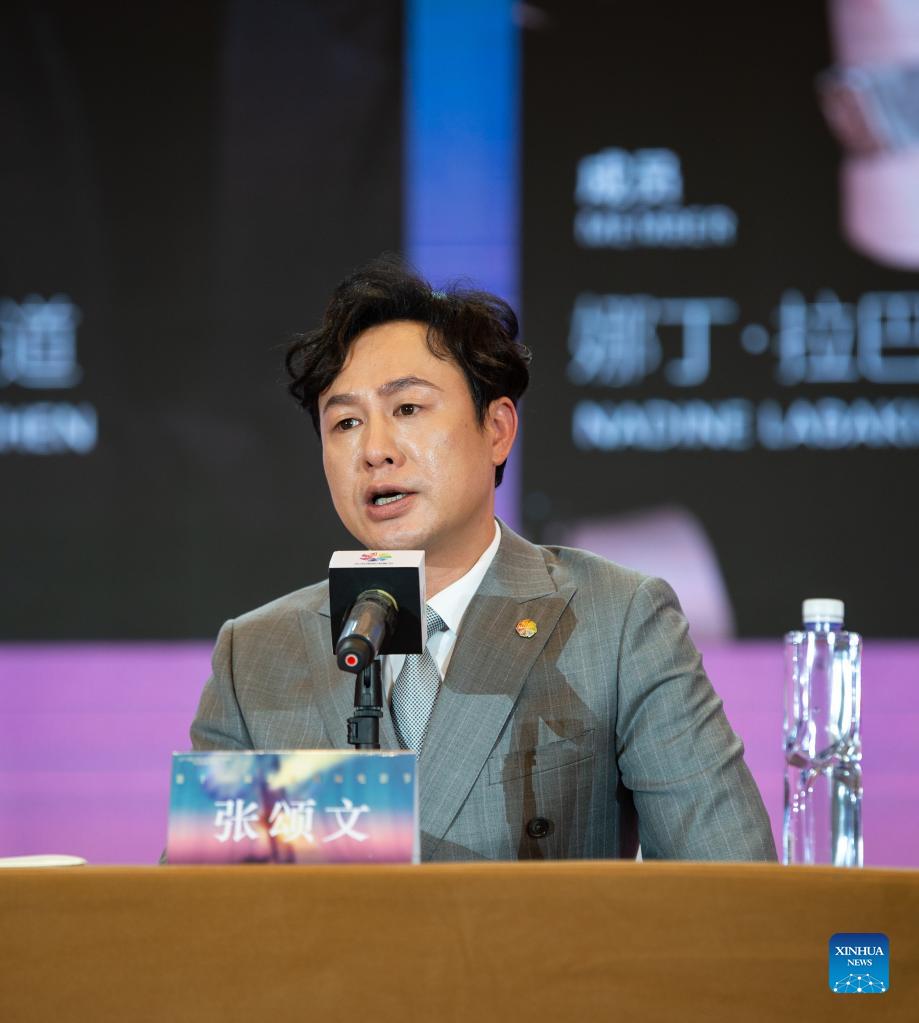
[(475, 942)]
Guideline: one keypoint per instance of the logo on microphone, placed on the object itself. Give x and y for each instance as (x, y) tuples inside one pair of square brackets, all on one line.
[(375, 557)]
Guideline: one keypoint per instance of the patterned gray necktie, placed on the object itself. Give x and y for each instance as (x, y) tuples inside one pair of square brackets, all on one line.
[(416, 689)]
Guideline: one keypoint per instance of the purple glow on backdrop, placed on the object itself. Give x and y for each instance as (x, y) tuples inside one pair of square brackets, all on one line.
[(86, 733)]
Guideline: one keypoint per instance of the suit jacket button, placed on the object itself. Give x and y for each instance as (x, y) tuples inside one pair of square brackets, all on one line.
[(539, 827)]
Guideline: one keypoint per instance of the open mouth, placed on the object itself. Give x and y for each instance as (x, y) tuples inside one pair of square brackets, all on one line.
[(388, 497)]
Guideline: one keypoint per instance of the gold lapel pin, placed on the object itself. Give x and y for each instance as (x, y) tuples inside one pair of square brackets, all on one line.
[(526, 627)]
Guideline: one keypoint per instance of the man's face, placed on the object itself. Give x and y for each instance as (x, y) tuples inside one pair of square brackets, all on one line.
[(408, 464)]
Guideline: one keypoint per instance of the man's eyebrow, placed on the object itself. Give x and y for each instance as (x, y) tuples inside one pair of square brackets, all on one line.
[(338, 399), (401, 383), (388, 389)]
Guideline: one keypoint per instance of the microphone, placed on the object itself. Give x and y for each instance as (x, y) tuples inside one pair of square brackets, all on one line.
[(376, 604), (369, 624)]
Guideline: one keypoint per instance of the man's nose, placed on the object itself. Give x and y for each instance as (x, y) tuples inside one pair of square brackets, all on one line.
[(380, 442)]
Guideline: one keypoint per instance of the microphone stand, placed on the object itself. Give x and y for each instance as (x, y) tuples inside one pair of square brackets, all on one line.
[(364, 726)]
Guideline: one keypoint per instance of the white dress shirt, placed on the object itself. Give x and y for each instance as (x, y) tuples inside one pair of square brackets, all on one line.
[(450, 604)]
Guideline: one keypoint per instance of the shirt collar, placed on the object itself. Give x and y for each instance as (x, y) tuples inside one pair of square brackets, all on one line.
[(451, 603)]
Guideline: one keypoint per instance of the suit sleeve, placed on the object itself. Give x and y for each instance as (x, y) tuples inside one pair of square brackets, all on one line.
[(219, 723), (695, 796)]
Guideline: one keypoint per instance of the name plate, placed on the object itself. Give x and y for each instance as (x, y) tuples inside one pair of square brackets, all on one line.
[(294, 806)]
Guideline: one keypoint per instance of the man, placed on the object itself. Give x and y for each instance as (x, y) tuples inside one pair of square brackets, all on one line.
[(571, 716)]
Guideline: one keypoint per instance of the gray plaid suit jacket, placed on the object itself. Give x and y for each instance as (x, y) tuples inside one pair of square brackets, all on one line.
[(600, 730)]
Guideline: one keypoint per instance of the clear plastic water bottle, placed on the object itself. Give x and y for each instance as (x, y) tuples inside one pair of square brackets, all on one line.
[(823, 773)]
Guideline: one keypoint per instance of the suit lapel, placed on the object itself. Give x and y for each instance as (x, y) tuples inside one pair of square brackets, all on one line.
[(333, 689), (489, 666)]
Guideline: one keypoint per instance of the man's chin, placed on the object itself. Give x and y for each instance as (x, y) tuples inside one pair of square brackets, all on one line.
[(394, 535)]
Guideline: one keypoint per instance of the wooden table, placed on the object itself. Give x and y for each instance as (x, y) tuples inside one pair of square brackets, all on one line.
[(474, 942)]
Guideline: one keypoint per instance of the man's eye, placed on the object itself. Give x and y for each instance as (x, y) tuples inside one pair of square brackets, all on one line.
[(346, 424), (408, 409)]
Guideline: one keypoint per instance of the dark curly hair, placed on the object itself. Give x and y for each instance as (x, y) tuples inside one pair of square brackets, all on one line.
[(475, 329)]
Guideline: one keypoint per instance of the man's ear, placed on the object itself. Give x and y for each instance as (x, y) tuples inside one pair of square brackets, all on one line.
[(501, 424)]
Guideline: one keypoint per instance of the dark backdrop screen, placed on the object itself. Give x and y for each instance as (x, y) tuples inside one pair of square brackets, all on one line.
[(714, 360), (183, 184)]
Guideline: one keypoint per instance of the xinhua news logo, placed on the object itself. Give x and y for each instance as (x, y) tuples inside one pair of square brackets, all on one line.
[(859, 964)]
